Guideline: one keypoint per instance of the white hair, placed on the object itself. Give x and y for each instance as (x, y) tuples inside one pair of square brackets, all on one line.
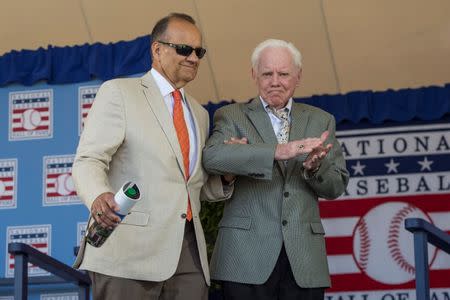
[(274, 43)]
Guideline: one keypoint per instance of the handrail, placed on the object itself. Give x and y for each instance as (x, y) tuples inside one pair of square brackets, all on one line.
[(23, 254), (424, 233), (51, 279)]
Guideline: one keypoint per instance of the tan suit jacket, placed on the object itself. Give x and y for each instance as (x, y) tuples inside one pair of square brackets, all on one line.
[(129, 135)]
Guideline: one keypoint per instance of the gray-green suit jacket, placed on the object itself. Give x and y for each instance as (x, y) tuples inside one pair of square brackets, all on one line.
[(272, 203)]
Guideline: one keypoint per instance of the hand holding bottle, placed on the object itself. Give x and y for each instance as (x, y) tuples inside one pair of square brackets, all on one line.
[(108, 210), (104, 209)]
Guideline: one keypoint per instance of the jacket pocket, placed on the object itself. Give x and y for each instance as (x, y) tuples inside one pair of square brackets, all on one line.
[(136, 218), (317, 228), (236, 222)]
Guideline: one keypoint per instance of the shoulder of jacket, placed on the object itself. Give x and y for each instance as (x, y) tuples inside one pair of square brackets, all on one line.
[(232, 107), (313, 109), (120, 82)]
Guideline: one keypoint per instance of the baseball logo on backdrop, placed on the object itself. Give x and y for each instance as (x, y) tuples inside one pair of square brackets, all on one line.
[(59, 296), (380, 236), (8, 183), (37, 236), (86, 96), (58, 187), (30, 115), (396, 173)]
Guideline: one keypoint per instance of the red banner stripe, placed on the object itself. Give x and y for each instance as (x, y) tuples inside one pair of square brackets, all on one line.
[(4, 179), (59, 195), (339, 245), (45, 127), (11, 266), (359, 207), (21, 110), (56, 175), (6, 197), (346, 282)]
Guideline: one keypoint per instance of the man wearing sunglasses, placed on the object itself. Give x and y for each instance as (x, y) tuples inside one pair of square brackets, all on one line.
[(150, 131)]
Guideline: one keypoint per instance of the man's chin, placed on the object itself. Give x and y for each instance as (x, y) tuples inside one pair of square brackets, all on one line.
[(276, 101), (189, 76)]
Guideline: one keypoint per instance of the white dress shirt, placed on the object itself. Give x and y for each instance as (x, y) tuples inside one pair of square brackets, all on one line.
[(276, 122), (166, 90)]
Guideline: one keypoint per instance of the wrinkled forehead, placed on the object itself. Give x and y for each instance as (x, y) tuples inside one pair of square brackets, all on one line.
[(278, 59)]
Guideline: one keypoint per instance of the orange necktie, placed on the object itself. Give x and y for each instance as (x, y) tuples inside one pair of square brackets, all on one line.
[(183, 138)]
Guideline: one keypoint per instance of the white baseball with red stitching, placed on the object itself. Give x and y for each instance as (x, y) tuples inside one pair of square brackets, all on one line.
[(383, 248), (64, 184), (31, 119)]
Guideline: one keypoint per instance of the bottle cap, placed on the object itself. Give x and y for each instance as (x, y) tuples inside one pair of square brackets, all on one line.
[(131, 190)]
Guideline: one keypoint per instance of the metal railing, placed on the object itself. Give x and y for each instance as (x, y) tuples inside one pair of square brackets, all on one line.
[(425, 233), (24, 254)]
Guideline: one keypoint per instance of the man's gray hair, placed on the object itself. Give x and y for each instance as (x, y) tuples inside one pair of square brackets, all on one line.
[(274, 43)]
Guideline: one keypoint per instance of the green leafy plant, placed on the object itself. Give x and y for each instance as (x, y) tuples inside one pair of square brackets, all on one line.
[(210, 216)]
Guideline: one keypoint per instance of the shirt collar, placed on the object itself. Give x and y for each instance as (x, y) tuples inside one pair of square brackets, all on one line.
[(163, 84), (267, 108)]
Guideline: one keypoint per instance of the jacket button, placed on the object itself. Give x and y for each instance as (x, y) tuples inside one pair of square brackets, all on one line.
[(183, 216), (286, 194), (284, 222)]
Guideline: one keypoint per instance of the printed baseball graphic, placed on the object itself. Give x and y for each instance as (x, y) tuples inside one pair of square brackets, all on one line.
[(31, 119), (2, 188), (58, 186), (64, 184), (30, 114), (8, 183), (383, 248)]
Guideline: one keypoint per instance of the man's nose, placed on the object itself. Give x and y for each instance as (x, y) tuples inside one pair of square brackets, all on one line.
[(275, 80), (193, 57)]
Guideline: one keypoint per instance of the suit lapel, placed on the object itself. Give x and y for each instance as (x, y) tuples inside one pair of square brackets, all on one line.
[(299, 122), (159, 108), (261, 120), (197, 117)]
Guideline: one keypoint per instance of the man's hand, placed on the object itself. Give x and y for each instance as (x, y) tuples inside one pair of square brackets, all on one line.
[(314, 159), (299, 147), (103, 209), (234, 140), (243, 141)]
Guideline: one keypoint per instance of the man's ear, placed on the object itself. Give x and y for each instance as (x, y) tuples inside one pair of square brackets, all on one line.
[(155, 49), (299, 77)]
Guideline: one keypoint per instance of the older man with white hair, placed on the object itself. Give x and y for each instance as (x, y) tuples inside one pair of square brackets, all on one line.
[(285, 156)]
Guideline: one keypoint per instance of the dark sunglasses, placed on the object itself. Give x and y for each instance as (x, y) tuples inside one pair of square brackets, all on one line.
[(185, 50)]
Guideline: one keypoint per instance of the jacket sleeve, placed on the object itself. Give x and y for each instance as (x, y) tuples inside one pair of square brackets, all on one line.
[(213, 190), (331, 179), (253, 160), (102, 135)]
